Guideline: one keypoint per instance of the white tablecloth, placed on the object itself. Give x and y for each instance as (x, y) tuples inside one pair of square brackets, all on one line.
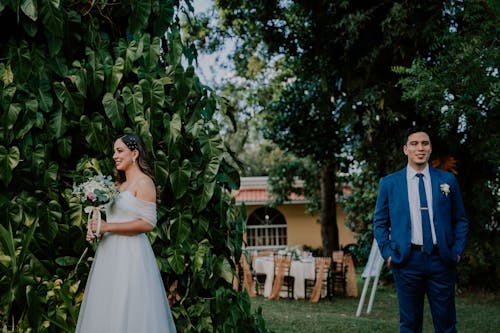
[(300, 270)]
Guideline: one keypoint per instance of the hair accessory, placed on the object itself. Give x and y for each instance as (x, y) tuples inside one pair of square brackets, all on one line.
[(130, 142)]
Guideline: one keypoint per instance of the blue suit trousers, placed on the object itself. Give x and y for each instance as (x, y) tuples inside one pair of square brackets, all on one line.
[(425, 274)]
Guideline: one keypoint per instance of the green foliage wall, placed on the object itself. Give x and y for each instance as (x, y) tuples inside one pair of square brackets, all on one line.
[(73, 76)]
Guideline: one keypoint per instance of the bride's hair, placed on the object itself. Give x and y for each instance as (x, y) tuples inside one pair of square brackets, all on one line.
[(134, 142)]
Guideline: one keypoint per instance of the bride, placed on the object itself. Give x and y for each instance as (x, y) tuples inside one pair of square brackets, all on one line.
[(124, 291)]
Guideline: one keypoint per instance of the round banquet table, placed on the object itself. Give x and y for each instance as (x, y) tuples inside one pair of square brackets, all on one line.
[(300, 270)]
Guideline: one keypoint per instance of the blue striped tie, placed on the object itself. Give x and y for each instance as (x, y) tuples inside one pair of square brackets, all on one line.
[(426, 220)]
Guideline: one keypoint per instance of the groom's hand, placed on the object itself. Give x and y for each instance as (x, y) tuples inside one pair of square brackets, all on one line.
[(389, 260)]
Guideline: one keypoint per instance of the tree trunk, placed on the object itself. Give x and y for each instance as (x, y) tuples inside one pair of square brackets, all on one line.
[(328, 215)]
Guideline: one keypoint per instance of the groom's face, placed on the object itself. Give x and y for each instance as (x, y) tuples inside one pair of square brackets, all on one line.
[(418, 148)]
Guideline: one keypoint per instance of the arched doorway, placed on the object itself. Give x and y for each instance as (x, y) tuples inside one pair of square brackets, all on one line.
[(266, 229)]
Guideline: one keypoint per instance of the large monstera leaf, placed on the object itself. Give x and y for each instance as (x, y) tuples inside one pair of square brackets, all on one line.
[(114, 110), (94, 131), (180, 177)]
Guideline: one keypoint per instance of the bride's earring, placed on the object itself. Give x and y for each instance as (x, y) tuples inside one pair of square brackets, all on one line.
[(133, 160)]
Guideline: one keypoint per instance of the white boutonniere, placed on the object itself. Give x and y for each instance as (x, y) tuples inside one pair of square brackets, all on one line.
[(445, 189)]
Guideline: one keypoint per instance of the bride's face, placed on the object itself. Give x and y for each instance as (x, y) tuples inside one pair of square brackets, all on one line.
[(122, 156)]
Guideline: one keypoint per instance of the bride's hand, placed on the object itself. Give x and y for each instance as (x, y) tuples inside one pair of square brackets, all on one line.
[(93, 226), (89, 236)]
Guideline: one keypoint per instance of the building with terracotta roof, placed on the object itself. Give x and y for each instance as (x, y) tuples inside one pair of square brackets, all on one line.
[(285, 225)]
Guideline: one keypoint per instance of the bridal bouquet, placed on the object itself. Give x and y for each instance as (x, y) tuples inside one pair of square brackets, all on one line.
[(94, 194)]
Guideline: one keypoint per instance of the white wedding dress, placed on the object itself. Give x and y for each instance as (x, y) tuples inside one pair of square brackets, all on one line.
[(124, 292)]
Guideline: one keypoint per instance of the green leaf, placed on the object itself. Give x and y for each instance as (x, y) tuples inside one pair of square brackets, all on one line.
[(35, 309), (183, 85), (169, 77), (28, 7), (64, 146), (48, 216), (50, 177), (176, 261), (57, 123), (212, 168), (144, 132), (66, 261), (194, 128), (96, 71), (206, 195), (7, 93), (179, 177), (114, 110), (130, 52), (25, 247), (7, 244), (160, 168), (44, 95), (151, 53), (211, 145), (202, 223), (174, 127), (153, 92), (175, 44), (72, 102), (138, 19), (52, 19), (93, 131), (116, 75), (15, 213), (209, 182), (27, 122), (226, 270), (157, 94), (7, 77), (180, 227), (9, 159), (55, 211), (21, 60), (38, 157), (10, 117), (75, 212), (133, 101), (199, 256), (80, 78)]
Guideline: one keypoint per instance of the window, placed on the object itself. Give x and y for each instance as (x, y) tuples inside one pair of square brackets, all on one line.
[(266, 229)]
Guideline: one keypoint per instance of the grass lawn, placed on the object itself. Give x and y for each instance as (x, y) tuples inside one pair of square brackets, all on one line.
[(476, 313)]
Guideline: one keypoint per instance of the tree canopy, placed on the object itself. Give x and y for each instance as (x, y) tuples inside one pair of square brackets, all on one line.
[(332, 74)]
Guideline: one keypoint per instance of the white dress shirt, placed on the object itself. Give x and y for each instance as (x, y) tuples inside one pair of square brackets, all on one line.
[(414, 201)]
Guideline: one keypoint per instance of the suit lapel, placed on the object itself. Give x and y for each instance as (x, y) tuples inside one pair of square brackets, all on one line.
[(404, 192)]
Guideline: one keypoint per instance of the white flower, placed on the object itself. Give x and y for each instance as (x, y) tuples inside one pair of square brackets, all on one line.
[(448, 97), (445, 189)]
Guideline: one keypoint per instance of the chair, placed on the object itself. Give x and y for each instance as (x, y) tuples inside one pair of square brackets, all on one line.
[(246, 281), (260, 278), (322, 266), (338, 274), (283, 281)]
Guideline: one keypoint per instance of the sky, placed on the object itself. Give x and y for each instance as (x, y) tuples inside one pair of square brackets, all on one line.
[(209, 69)]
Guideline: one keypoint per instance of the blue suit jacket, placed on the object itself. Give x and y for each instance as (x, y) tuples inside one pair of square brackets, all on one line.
[(392, 224)]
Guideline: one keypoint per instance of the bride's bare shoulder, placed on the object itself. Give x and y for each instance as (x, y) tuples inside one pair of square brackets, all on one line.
[(145, 189)]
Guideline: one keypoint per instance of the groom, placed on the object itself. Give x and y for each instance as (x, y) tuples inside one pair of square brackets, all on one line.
[(421, 228)]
